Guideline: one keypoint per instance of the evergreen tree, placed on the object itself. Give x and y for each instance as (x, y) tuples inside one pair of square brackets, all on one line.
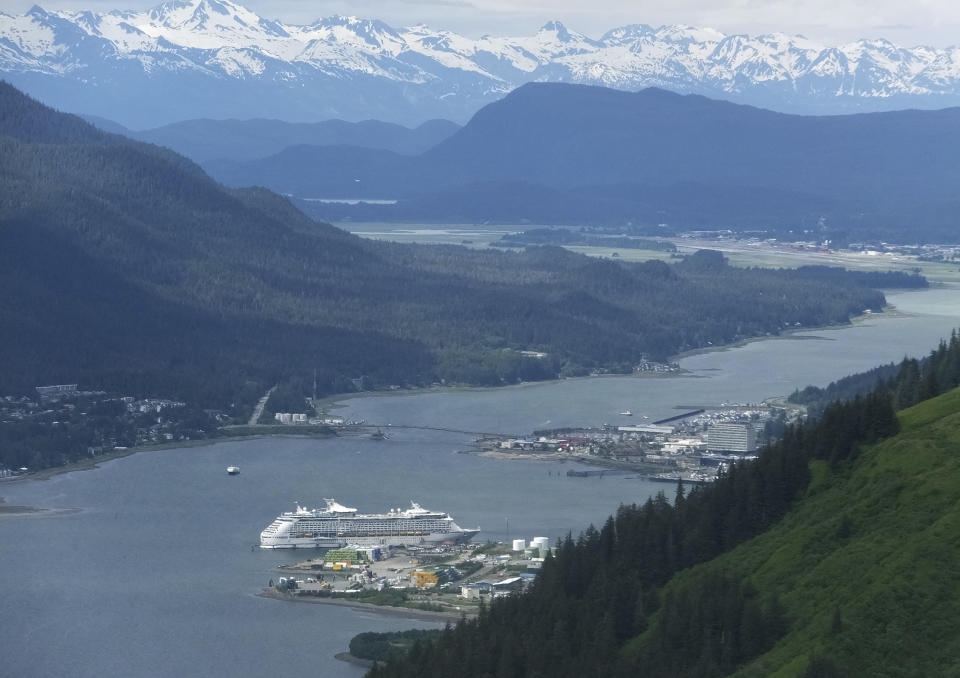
[(836, 621)]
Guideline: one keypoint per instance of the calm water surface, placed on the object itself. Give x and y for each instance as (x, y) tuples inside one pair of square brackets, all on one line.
[(749, 373), (155, 575)]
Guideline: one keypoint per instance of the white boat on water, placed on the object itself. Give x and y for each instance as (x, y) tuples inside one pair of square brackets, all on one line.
[(336, 525), (233, 470), (626, 413)]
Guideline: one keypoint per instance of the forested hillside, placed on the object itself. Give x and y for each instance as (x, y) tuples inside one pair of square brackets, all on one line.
[(910, 382), (835, 554), (126, 268)]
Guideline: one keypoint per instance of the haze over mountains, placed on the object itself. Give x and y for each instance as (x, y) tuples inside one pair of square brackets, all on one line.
[(563, 153), (204, 140), (213, 58)]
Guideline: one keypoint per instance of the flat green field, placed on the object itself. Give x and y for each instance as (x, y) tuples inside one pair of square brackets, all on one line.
[(739, 252), (766, 256), (471, 235)]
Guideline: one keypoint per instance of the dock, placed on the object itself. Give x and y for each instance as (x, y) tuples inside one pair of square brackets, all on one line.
[(678, 417)]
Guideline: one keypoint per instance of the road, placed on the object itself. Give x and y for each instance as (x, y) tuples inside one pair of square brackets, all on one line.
[(258, 410)]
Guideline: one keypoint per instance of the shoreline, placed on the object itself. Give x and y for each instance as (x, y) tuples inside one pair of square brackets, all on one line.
[(386, 610), (338, 401), (795, 334), (356, 661), (644, 472)]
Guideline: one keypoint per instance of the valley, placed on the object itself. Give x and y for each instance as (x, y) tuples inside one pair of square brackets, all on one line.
[(653, 328), (938, 263)]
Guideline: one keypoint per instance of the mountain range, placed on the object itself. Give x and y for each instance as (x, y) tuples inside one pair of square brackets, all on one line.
[(205, 140), (125, 267), (212, 58), (561, 153)]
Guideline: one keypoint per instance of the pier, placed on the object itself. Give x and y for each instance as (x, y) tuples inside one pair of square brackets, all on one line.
[(364, 428), (678, 417)]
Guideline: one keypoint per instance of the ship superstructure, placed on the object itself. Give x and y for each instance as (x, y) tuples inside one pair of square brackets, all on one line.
[(337, 525)]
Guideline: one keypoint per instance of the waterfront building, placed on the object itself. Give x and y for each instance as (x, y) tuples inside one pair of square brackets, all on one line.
[(48, 393), (647, 428), (475, 590), (740, 438)]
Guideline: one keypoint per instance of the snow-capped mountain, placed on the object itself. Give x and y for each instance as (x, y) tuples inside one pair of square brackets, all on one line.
[(214, 58)]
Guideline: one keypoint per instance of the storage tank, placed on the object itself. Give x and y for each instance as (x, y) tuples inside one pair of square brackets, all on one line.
[(519, 544), (540, 542)]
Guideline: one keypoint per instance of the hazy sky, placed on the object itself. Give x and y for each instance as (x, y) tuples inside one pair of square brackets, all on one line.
[(931, 22)]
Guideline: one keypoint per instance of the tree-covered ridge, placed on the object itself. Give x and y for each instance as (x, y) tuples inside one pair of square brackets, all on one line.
[(867, 567), (875, 279), (127, 269), (381, 647), (910, 382), (721, 581)]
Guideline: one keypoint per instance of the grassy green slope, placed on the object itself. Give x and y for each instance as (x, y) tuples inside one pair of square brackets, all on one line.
[(878, 543)]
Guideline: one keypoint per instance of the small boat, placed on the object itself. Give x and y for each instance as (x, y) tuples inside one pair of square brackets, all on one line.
[(233, 470), (626, 413)]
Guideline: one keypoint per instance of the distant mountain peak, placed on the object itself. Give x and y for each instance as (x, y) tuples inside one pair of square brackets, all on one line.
[(682, 32), (631, 31), (358, 24), (221, 6), (37, 11), (556, 27), (192, 7), (354, 68)]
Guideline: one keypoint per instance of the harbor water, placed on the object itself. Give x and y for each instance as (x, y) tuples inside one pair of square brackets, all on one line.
[(155, 574)]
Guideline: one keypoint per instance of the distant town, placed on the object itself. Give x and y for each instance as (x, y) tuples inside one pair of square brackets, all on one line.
[(694, 446), (63, 423), (67, 424)]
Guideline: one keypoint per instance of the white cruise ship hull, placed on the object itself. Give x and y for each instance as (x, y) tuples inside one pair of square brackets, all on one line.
[(407, 540), (337, 526), (302, 543), (379, 540)]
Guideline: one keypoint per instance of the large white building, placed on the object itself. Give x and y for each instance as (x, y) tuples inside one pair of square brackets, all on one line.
[(741, 438)]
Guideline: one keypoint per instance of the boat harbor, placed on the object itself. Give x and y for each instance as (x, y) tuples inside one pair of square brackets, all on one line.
[(693, 446)]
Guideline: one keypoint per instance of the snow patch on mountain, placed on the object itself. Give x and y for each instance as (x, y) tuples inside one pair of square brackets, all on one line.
[(436, 69)]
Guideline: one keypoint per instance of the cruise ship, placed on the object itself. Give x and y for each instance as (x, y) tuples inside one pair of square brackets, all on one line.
[(336, 525)]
